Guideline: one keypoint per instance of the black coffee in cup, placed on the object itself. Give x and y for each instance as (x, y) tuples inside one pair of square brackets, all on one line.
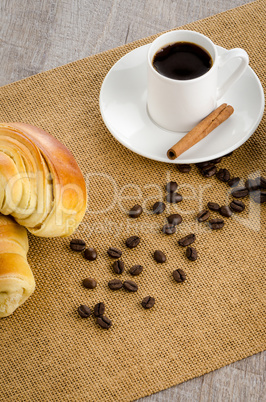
[(182, 61)]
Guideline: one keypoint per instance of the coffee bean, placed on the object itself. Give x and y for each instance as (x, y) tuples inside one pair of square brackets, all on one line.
[(173, 198), (184, 168), (89, 283), (252, 185), (259, 197), (148, 302), (90, 254), (187, 240), (213, 206), (114, 252), (159, 256), (203, 215), (239, 192), (169, 229), (77, 245), (132, 241), (191, 253), (99, 309), (158, 207), (179, 275), (233, 182), (202, 165), (174, 219), (209, 170), (136, 269), (216, 224), (84, 311), (226, 211), (237, 206), (261, 182), (118, 267), (216, 160), (223, 175), (104, 322), (115, 284), (135, 211), (130, 286), (171, 187)]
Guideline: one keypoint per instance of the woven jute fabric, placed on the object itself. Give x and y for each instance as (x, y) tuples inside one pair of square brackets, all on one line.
[(216, 317)]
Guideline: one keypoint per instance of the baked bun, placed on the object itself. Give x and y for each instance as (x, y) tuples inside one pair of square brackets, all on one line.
[(41, 185), (16, 278)]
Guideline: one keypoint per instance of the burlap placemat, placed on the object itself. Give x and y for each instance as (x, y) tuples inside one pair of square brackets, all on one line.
[(215, 318)]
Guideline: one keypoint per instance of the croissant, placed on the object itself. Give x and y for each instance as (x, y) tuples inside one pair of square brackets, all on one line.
[(16, 278), (41, 185)]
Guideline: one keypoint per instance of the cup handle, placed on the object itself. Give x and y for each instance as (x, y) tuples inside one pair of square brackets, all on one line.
[(223, 59)]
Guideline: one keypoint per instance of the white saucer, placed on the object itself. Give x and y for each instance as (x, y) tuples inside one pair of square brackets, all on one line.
[(123, 108)]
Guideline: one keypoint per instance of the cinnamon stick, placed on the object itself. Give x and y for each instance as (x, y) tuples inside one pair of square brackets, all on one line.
[(201, 130)]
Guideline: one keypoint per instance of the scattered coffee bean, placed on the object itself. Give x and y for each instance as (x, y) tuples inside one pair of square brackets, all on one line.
[(171, 187), (187, 240), (99, 309), (203, 215), (209, 170), (114, 252), (213, 206), (261, 182), (169, 229), (223, 175), (104, 322), (158, 207), (173, 198), (216, 160), (233, 182), (191, 253), (239, 192), (135, 211), (132, 241), (115, 284), (216, 223), (118, 267), (252, 185), (262, 196), (130, 286), (202, 165), (136, 269), (226, 211), (148, 302), (84, 311), (184, 168), (159, 256), (174, 219), (179, 275), (89, 283), (90, 254), (77, 245), (259, 197), (237, 206)]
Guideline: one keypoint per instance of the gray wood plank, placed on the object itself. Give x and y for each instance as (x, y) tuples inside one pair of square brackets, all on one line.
[(238, 382), (36, 35)]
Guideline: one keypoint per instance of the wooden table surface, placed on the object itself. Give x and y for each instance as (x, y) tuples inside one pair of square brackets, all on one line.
[(37, 35)]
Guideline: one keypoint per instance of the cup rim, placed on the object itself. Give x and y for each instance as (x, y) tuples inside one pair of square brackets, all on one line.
[(184, 82)]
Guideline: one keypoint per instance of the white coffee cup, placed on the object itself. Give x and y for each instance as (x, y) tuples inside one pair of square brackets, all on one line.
[(178, 105)]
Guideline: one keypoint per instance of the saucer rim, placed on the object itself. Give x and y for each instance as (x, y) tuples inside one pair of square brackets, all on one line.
[(249, 133)]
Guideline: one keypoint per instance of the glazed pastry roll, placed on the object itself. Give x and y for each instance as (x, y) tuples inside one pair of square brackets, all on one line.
[(41, 184), (16, 278)]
